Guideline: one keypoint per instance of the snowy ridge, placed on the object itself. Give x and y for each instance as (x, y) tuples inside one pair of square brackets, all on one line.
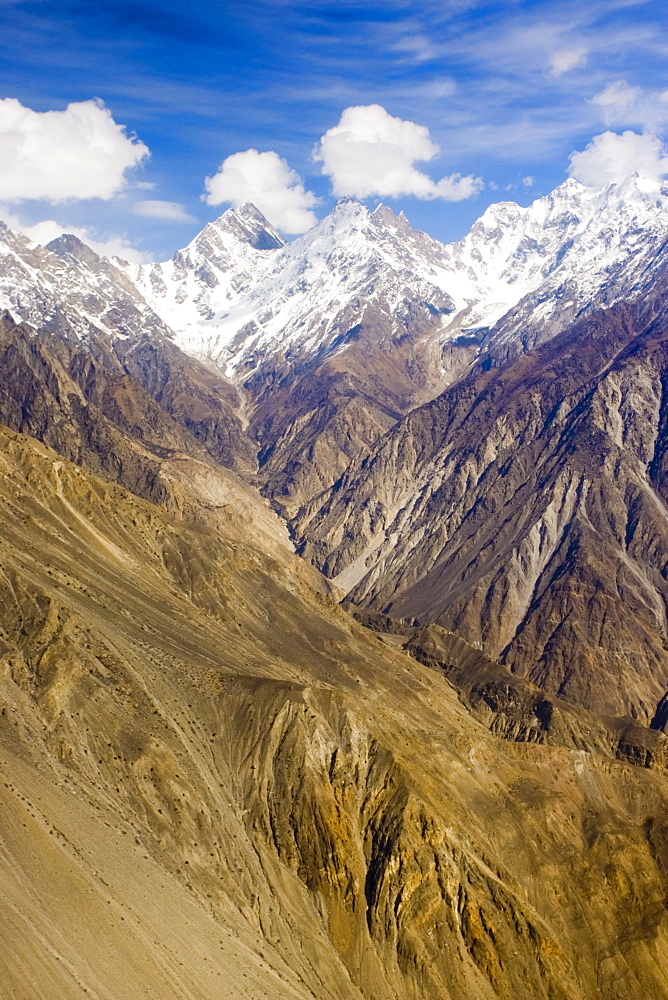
[(66, 287), (231, 305), (238, 292), (574, 246)]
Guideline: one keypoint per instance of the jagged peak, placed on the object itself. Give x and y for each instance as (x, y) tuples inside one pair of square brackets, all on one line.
[(250, 211), (247, 224), (384, 212), (69, 245), (349, 208), (347, 217)]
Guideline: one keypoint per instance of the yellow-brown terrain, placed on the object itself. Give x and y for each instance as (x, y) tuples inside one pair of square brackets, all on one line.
[(217, 784)]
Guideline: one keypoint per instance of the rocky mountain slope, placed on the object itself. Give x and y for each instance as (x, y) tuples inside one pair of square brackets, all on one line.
[(467, 514), (216, 783), (121, 406), (67, 288), (345, 329), (514, 707), (525, 509), (323, 343)]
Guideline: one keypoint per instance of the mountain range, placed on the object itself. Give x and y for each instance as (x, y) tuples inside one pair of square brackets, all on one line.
[(454, 784)]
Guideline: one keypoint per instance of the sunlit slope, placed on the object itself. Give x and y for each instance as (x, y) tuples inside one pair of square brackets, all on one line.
[(216, 784)]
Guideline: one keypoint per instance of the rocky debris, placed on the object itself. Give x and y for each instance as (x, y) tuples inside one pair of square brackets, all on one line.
[(215, 780), (524, 509), (514, 708)]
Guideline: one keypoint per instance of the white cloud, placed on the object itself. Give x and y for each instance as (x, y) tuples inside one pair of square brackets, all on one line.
[(611, 157), (617, 100), (436, 89), (171, 210), (624, 105), (269, 183), (417, 48), (59, 156), (528, 181), (47, 230), (564, 60), (370, 153)]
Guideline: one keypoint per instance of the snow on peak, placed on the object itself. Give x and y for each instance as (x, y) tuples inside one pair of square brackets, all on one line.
[(69, 245), (249, 225), (234, 293), (68, 286), (238, 291), (246, 225)]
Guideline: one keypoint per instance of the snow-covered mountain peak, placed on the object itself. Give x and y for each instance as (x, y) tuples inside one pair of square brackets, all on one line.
[(67, 286), (226, 296), (353, 238), (71, 246), (238, 289), (346, 218), (220, 263), (248, 225), (582, 248), (233, 232), (350, 220)]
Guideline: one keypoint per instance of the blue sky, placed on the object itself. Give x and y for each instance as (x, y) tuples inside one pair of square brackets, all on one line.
[(507, 91)]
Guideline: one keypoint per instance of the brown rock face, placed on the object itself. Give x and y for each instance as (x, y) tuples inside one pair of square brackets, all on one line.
[(313, 413), (525, 509), (216, 783), (513, 707), (148, 418), (195, 395), (120, 409)]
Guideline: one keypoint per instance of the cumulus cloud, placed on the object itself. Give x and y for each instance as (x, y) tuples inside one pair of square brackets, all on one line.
[(564, 60), (47, 230), (370, 153), (58, 156), (154, 209), (611, 157), (617, 100), (269, 183)]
